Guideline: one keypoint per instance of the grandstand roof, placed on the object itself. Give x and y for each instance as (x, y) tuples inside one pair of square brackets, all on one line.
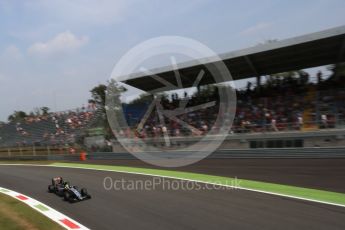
[(310, 50)]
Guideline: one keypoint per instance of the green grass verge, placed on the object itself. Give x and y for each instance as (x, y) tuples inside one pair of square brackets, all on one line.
[(15, 215), (306, 193)]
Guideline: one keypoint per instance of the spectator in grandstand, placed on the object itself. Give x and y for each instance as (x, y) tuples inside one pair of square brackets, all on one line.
[(324, 121), (274, 125), (299, 122)]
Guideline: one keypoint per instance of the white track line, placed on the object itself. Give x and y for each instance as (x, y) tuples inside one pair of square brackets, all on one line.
[(49, 212), (198, 181)]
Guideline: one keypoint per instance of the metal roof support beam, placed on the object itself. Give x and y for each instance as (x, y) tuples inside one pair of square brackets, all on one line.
[(341, 51), (252, 67)]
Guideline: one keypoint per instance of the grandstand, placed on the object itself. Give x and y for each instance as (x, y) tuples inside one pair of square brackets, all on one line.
[(289, 105), (58, 130)]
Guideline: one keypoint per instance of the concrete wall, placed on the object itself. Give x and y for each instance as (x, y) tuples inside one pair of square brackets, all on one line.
[(325, 138)]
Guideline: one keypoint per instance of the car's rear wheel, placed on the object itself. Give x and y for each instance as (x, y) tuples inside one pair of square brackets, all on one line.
[(50, 188)]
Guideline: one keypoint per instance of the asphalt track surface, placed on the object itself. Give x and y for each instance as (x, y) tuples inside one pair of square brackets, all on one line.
[(169, 209)]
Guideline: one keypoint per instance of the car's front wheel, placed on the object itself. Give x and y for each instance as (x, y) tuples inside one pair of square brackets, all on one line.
[(83, 192), (67, 196)]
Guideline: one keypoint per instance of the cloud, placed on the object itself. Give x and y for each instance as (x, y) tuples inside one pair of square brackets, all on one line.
[(256, 28), (62, 43), (12, 52)]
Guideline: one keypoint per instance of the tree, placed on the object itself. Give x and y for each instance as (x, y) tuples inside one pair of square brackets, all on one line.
[(45, 110), (17, 116), (98, 94)]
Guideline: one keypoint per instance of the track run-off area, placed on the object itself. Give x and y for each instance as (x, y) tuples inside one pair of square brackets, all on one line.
[(237, 203)]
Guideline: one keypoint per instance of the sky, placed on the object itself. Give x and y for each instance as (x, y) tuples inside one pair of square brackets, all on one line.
[(53, 52)]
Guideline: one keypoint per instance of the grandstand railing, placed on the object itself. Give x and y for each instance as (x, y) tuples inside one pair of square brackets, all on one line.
[(248, 128)]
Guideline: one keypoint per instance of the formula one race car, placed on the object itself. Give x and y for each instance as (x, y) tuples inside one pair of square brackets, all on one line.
[(69, 193)]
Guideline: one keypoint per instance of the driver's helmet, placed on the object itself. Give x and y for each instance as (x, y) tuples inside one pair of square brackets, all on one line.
[(60, 180), (57, 180)]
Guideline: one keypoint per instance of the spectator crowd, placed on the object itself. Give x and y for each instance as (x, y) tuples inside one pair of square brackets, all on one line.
[(281, 104)]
